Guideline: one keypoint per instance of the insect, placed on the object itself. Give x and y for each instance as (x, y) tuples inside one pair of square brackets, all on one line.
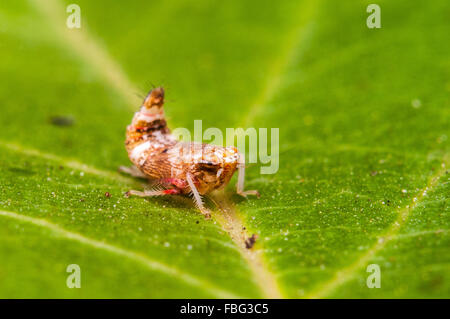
[(177, 167)]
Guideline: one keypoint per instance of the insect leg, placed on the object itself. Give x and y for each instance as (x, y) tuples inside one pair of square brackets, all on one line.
[(153, 192), (197, 198), (133, 171), (241, 180)]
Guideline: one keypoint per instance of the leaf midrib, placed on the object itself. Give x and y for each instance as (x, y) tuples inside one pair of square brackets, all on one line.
[(91, 53)]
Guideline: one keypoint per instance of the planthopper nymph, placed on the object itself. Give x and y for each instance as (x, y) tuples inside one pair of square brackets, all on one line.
[(177, 167)]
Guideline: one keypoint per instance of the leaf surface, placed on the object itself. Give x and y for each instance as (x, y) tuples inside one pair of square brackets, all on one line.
[(364, 124)]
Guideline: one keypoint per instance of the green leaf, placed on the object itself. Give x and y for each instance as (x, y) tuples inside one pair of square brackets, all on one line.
[(364, 121)]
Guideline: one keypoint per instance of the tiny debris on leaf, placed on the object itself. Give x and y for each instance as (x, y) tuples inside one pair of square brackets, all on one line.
[(59, 120), (250, 242)]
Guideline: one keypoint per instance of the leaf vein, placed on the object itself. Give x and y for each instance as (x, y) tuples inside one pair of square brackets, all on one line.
[(345, 274), (144, 260)]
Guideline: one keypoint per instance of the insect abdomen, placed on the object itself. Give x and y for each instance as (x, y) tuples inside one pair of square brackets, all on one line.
[(148, 136)]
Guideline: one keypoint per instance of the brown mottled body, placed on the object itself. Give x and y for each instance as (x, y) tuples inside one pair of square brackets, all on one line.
[(180, 167)]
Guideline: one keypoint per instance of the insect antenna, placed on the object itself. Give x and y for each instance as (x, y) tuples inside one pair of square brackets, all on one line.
[(139, 95)]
